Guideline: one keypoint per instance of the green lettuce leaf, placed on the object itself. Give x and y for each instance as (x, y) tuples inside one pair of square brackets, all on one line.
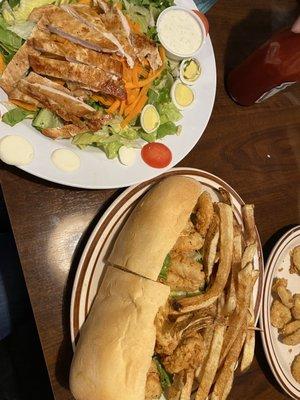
[(168, 128), (111, 149), (165, 268), (168, 112), (88, 139), (165, 378), (148, 137), (22, 29), (16, 115), (110, 144)]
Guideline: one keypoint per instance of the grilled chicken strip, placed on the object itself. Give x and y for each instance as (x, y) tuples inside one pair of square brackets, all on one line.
[(79, 92), (78, 30), (70, 130), (115, 21), (38, 12), (113, 31), (86, 76), (16, 94), (16, 69), (46, 42), (145, 48), (57, 98)]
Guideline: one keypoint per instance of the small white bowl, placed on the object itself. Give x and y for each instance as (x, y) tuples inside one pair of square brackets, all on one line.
[(199, 17)]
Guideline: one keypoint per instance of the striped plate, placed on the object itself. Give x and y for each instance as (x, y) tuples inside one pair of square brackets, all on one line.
[(279, 355)]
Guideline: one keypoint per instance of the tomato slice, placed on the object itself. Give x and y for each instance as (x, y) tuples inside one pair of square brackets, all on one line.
[(157, 155)]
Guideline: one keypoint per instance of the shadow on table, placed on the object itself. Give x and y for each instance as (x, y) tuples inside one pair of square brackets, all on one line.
[(23, 373), (264, 365), (254, 30), (65, 354)]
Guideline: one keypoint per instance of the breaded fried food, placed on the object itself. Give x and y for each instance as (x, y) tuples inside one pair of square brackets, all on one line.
[(185, 273), (278, 282), (204, 213), (290, 328), (296, 309), (280, 314), (295, 368), (188, 354), (295, 261), (189, 240), (293, 339), (279, 287)]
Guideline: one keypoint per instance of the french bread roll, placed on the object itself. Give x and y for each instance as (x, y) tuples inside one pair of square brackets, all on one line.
[(154, 225), (117, 340)]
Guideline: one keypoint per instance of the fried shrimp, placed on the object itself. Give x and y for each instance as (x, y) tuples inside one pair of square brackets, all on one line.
[(292, 339), (296, 308), (295, 260), (204, 213), (185, 273), (295, 368), (280, 288), (188, 354), (189, 240), (280, 314)]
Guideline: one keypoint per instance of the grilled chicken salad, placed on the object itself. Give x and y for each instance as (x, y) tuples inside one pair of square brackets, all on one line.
[(85, 71)]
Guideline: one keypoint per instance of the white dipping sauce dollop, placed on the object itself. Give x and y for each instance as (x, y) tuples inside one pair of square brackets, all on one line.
[(180, 32), (16, 150), (127, 155), (65, 160)]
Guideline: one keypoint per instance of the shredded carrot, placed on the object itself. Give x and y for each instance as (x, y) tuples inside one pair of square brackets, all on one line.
[(135, 111), (103, 100), (139, 68), (122, 107), (135, 77), (162, 54), (113, 108), (134, 103), (145, 89), (23, 104), (84, 1), (2, 64), (132, 95), (144, 82), (126, 73), (134, 26), (118, 6)]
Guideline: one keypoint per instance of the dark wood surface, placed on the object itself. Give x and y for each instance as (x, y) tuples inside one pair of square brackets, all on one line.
[(254, 149)]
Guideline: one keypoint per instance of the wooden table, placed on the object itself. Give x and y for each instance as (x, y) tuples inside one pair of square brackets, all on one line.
[(254, 149)]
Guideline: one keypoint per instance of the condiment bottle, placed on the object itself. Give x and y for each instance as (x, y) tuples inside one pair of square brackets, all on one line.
[(269, 69)]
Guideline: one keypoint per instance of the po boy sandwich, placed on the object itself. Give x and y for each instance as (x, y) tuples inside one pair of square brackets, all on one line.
[(192, 264)]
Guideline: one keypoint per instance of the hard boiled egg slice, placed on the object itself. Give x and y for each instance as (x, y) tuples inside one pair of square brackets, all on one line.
[(190, 71), (150, 119), (182, 95)]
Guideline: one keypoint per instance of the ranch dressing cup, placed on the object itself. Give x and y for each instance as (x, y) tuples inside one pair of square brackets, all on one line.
[(181, 31)]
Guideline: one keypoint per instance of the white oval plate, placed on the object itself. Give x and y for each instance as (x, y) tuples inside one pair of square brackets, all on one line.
[(279, 355), (93, 259), (96, 171)]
